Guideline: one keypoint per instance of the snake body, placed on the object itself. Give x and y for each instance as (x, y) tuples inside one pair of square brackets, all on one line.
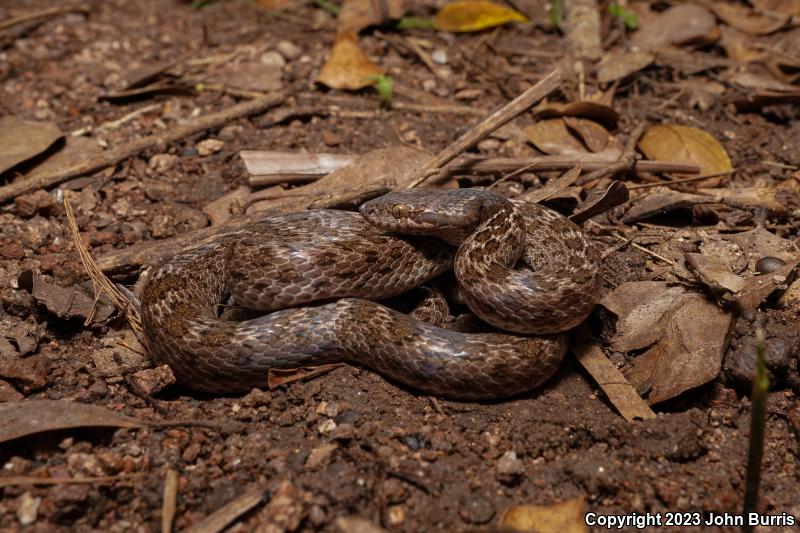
[(316, 271)]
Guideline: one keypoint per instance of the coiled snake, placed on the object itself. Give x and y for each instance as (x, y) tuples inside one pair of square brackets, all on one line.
[(287, 264)]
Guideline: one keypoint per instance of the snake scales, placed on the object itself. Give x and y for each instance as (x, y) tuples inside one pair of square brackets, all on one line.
[(315, 272)]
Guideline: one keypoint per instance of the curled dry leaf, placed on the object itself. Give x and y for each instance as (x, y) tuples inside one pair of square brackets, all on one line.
[(597, 111), (554, 137), (685, 143), (474, 15), (23, 139), (750, 197), (679, 25), (618, 65), (359, 14), (20, 419), (685, 334), (661, 200), (750, 20), (563, 517), (348, 67)]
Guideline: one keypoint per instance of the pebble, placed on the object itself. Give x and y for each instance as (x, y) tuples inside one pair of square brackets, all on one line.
[(27, 508), (476, 510), (209, 146), (439, 56), (273, 59), (154, 380), (509, 468), (162, 162), (769, 264), (320, 455), (395, 515), (289, 50)]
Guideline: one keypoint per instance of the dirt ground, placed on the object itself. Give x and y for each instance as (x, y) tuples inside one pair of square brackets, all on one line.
[(350, 443)]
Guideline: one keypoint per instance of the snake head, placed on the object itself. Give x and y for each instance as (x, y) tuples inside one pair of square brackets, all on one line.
[(414, 211)]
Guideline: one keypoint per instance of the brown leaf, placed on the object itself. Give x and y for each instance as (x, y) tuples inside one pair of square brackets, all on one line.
[(553, 137), (678, 25), (348, 67), (563, 517), (686, 334), (787, 7), (618, 65), (750, 20), (685, 143), (20, 419), (662, 200), (593, 135), (358, 14), (64, 303), (597, 111), (23, 139), (750, 197)]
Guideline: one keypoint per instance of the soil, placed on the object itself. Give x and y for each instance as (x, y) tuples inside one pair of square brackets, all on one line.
[(349, 442)]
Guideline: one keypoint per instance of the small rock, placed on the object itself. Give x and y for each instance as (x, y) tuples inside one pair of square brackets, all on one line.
[(320, 455), (27, 373), (354, 524), (509, 468), (468, 94), (429, 85), (343, 432), (231, 132), (27, 507), (317, 516), (476, 510), (439, 56), (162, 162), (289, 50), (331, 138), (285, 508), (28, 205), (326, 426), (154, 380), (12, 251), (395, 515), (394, 490), (209, 146), (273, 59), (115, 358), (8, 393)]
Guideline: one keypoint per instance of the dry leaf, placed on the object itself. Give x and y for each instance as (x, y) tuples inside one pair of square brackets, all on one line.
[(75, 150), (597, 111), (555, 138), (358, 14), (787, 7), (662, 200), (686, 335), (474, 15), (348, 67), (564, 517), (593, 135), (678, 25), (23, 139), (685, 143), (749, 20), (20, 419), (618, 65)]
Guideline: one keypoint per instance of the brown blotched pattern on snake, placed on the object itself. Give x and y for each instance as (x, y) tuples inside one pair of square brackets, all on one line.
[(296, 260)]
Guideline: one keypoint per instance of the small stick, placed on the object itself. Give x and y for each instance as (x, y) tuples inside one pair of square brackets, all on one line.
[(115, 155), (643, 249), (170, 501), (625, 162), (681, 180), (517, 106), (44, 13), (219, 519)]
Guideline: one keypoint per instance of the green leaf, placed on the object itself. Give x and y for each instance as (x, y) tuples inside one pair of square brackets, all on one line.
[(329, 6), (414, 23), (385, 87), (556, 13), (625, 15)]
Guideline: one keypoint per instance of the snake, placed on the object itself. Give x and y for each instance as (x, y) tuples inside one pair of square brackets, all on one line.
[(321, 275)]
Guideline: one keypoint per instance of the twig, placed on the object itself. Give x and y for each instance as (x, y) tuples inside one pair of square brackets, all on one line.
[(643, 249), (681, 180), (10, 481), (170, 501), (625, 162), (44, 13), (551, 163), (519, 105), (219, 519), (115, 155)]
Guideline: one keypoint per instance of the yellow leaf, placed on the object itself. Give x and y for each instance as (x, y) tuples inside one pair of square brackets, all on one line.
[(564, 517), (348, 67), (684, 143), (470, 15)]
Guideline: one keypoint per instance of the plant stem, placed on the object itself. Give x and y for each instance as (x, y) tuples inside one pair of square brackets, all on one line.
[(757, 428)]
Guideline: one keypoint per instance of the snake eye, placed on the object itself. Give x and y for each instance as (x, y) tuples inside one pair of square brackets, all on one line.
[(400, 211)]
